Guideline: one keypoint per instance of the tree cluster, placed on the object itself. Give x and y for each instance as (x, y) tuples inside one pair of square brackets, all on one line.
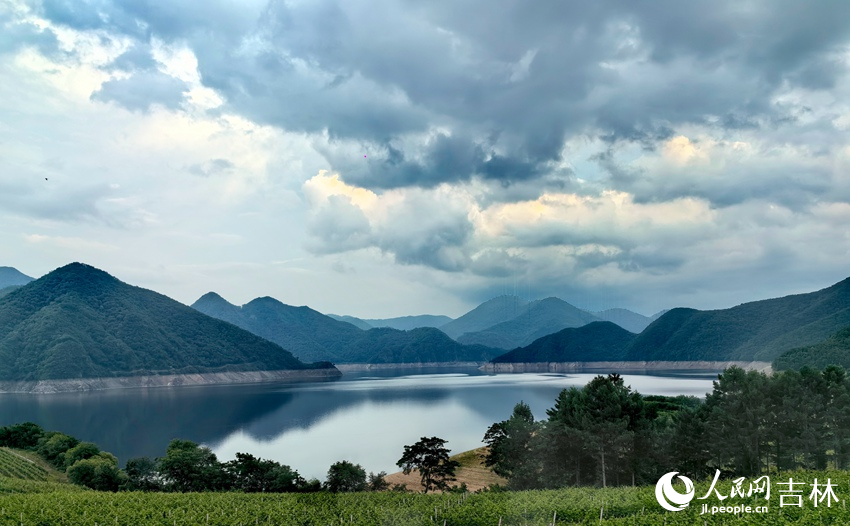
[(607, 434)]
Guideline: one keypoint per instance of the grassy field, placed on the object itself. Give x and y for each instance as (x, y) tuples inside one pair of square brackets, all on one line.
[(472, 472), (42, 503)]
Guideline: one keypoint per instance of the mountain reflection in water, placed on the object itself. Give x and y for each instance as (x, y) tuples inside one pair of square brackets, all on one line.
[(364, 417)]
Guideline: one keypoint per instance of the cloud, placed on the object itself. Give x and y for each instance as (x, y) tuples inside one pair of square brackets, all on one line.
[(142, 90)]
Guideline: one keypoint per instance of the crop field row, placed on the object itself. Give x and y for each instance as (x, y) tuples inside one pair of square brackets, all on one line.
[(15, 466), (39, 503)]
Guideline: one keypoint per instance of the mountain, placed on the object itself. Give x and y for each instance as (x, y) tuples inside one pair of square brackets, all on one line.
[(631, 321), (403, 323), (759, 330), (357, 322), (314, 336), (537, 319), (835, 350), (488, 314), (306, 333), (11, 277), (80, 322), (596, 341), (406, 323), (421, 345)]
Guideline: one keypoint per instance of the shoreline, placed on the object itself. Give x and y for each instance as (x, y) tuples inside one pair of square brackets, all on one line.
[(574, 367), (356, 367), (166, 380)]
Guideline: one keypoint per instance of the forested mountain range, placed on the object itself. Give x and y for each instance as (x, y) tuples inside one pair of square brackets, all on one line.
[(80, 322), (596, 341), (311, 335), (755, 331), (759, 330)]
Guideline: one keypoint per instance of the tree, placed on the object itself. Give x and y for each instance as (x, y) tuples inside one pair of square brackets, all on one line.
[(53, 445), (190, 467), (252, 475), (510, 448), (142, 475), (431, 458), (378, 481), (81, 451), (21, 436), (344, 476), (99, 472)]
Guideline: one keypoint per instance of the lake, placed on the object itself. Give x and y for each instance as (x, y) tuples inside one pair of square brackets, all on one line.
[(364, 417)]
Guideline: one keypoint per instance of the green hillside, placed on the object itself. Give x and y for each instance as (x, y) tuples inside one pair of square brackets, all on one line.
[(306, 333), (597, 341), (760, 330), (835, 350), (314, 336), (80, 322), (538, 319), (12, 277), (18, 466)]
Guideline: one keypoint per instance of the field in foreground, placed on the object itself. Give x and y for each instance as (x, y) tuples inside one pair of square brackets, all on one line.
[(41, 503)]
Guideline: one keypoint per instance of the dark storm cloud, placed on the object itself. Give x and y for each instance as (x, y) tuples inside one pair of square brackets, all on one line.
[(142, 90), (512, 81)]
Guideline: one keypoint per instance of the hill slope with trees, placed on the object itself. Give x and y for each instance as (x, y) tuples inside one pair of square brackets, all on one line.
[(759, 330), (835, 350), (597, 341), (312, 335), (80, 322)]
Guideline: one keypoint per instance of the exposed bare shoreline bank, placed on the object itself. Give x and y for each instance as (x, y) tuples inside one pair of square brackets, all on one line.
[(171, 380), (352, 367), (577, 367)]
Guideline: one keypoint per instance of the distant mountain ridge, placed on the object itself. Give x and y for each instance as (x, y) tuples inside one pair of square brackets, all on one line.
[(10, 279), (315, 336), (759, 330), (538, 319), (402, 323), (80, 322), (308, 334)]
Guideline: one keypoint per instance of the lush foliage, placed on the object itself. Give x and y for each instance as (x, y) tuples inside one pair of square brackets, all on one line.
[(311, 335), (606, 434), (835, 350), (79, 322), (30, 502), (759, 330), (345, 476), (597, 341), (431, 458)]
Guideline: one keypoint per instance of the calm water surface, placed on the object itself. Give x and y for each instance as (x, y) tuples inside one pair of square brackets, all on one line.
[(363, 417)]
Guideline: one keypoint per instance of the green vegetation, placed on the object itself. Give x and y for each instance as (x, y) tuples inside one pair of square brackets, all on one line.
[(760, 330), (597, 341), (311, 335), (430, 458), (344, 476), (44, 503), (835, 350), (80, 322), (606, 434), (16, 465)]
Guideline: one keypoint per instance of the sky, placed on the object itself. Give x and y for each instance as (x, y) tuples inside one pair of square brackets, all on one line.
[(392, 158)]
